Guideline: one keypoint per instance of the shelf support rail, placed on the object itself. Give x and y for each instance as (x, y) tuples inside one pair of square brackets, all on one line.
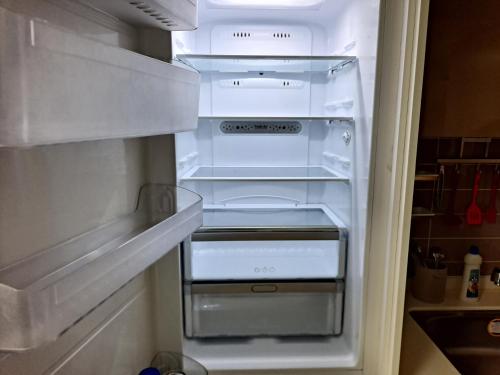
[(339, 67)]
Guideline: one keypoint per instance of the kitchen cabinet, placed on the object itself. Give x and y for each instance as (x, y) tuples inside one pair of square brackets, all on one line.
[(461, 79)]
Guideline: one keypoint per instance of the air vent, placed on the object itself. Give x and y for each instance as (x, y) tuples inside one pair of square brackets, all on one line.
[(261, 127), (261, 82), (268, 39), (282, 35), (153, 13), (242, 35)]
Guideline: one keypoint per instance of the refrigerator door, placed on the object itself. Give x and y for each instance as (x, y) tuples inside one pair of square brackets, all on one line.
[(164, 14), (58, 86)]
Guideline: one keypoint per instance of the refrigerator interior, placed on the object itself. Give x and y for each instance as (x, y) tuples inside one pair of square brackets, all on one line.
[(287, 126)]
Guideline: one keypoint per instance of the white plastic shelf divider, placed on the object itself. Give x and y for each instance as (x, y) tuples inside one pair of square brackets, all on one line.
[(310, 173), (43, 295), (264, 63), (59, 87)]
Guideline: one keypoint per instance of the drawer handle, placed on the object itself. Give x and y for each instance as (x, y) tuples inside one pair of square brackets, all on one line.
[(264, 288)]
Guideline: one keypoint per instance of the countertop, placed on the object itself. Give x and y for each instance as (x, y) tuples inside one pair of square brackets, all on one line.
[(419, 354)]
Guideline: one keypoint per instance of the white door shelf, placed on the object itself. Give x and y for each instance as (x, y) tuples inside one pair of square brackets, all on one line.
[(310, 173), (59, 87), (264, 63), (43, 295)]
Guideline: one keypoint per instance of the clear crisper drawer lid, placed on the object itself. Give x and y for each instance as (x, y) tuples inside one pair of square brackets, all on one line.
[(272, 309), (267, 218), (46, 293), (258, 243), (265, 259)]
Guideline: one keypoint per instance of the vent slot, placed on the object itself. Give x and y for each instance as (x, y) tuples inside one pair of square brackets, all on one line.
[(261, 127), (242, 35), (261, 83), (282, 35), (153, 13), (268, 39)]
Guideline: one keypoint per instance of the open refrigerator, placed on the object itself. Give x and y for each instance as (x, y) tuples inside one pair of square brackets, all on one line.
[(184, 176)]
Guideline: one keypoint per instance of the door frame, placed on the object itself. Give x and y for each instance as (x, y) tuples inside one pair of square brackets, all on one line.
[(402, 40)]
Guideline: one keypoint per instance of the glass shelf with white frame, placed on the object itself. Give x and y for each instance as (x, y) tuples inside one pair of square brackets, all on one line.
[(331, 119), (264, 63), (258, 173)]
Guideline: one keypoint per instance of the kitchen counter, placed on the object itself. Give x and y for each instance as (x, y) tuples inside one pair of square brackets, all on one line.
[(419, 354)]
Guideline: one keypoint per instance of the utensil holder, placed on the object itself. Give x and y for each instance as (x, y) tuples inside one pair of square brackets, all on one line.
[(429, 284)]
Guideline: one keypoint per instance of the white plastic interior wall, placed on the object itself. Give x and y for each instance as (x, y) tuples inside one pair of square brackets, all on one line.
[(317, 28)]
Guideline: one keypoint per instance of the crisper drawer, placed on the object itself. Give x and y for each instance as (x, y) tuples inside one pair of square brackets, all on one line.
[(263, 309), (270, 255)]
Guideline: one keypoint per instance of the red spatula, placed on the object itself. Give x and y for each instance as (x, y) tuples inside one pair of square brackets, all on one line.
[(491, 213), (473, 214)]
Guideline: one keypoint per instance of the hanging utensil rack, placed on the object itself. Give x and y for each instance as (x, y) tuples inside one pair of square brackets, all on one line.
[(469, 161)]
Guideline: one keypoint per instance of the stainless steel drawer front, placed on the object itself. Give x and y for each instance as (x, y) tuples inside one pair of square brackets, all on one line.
[(252, 234), (263, 309)]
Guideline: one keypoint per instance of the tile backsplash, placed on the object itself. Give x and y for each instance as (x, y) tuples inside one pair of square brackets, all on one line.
[(446, 228)]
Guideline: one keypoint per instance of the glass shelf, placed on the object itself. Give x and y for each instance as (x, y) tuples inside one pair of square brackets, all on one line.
[(315, 173), (266, 218), (51, 290), (277, 118), (261, 63)]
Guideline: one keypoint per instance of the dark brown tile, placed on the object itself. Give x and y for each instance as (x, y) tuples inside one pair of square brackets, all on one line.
[(427, 150), (425, 185), (451, 177), (420, 227), (494, 151), (449, 148), (444, 226), (423, 198), (488, 267), (456, 249), (474, 150)]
